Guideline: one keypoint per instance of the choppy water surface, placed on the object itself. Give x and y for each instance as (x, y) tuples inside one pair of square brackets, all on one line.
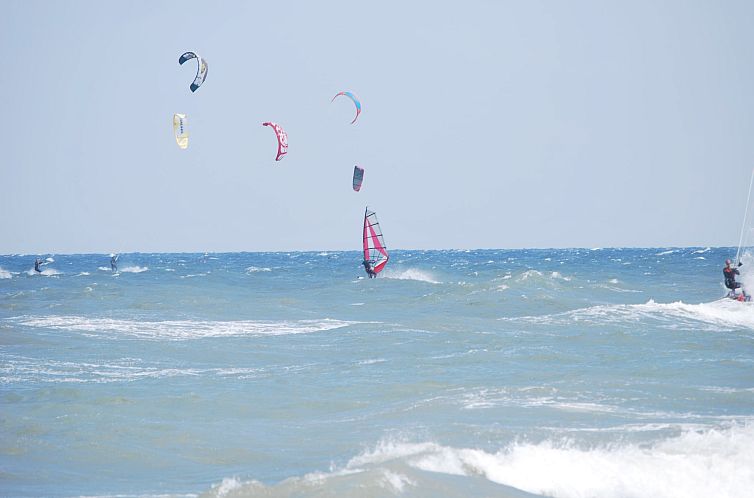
[(565, 373)]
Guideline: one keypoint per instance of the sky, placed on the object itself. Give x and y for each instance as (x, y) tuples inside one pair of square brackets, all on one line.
[(485, 124)]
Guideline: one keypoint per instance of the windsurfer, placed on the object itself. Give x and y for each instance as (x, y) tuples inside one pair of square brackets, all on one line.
[(368, 268), (114, 262), (37, 262), (730, 277)]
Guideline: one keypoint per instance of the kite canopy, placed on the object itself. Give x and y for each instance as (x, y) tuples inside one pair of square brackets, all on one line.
[(358, 178), (375, 251), (180, 129), (201, 72), (282, 139), (355, 102)]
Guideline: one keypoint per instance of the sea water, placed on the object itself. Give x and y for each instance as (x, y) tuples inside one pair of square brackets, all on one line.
[(512, 373)]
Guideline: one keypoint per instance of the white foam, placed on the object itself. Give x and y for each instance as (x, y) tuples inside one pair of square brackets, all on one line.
[(372, 361), (410, 274), (395, 482), (721, 313), (5, 274), (104, 268), (228, 485), (702, 251), (47, 272), (529, 274), (254, 269), (694, 464), (134, 269), (664, 253), (22, 370), (181, 329), (50, 260)]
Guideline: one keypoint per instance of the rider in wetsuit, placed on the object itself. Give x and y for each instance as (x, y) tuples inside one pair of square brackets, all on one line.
[(37, 262), (730, 277), (368, 268)]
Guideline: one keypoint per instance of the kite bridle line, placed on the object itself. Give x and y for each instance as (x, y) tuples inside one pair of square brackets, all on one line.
[(746, 215)]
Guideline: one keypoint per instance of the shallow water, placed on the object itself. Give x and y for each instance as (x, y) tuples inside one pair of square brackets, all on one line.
[(566, 373)]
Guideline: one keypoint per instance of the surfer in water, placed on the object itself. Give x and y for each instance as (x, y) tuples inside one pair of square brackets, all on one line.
[(114, 262), (368, 268), (37, 263), (730, 279)]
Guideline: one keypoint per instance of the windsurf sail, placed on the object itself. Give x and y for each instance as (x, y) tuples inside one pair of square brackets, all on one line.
[(282, 137), (358, 178), (375, 252), (355, 102), (180, 129), (201, 71)]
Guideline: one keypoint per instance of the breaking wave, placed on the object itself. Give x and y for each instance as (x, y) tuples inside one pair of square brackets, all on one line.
[(410, 274), (696, 463), (254, 269), (722, 313), (134, 269), (180, 329)]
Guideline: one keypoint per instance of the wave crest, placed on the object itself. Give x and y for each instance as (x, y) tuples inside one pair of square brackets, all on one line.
[(410, 274), (721, 313), (181, 329)]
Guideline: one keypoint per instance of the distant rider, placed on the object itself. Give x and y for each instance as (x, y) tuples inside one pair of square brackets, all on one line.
[(114, 262), (37, 262), (730, 277), (368, 268)]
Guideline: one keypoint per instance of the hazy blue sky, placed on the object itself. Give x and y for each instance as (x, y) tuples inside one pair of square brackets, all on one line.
[(497, 124)]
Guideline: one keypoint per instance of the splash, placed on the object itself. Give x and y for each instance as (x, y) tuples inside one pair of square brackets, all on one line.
[(134, 269), (410, 274), (47, 272)]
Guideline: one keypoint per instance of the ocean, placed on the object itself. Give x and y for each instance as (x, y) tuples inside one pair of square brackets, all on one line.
[(509, 373)]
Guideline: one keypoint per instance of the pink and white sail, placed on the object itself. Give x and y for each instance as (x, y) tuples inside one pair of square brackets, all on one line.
[(375, 251)]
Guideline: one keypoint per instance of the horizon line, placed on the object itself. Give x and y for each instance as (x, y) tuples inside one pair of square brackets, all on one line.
[(359, 250)]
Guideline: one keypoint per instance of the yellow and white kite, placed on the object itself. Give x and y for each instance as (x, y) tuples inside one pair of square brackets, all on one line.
[(180, 127)]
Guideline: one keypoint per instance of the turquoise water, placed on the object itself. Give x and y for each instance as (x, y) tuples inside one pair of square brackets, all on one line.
[(566, 373)]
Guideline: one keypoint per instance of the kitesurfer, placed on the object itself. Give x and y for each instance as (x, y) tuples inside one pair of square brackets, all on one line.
[(730, 277), (114, 262), (368, 268), (37, 262)]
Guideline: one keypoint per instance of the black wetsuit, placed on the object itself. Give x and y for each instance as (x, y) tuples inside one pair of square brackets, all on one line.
[(37, 262), (368, 268), (114, 263), (730, 278)]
